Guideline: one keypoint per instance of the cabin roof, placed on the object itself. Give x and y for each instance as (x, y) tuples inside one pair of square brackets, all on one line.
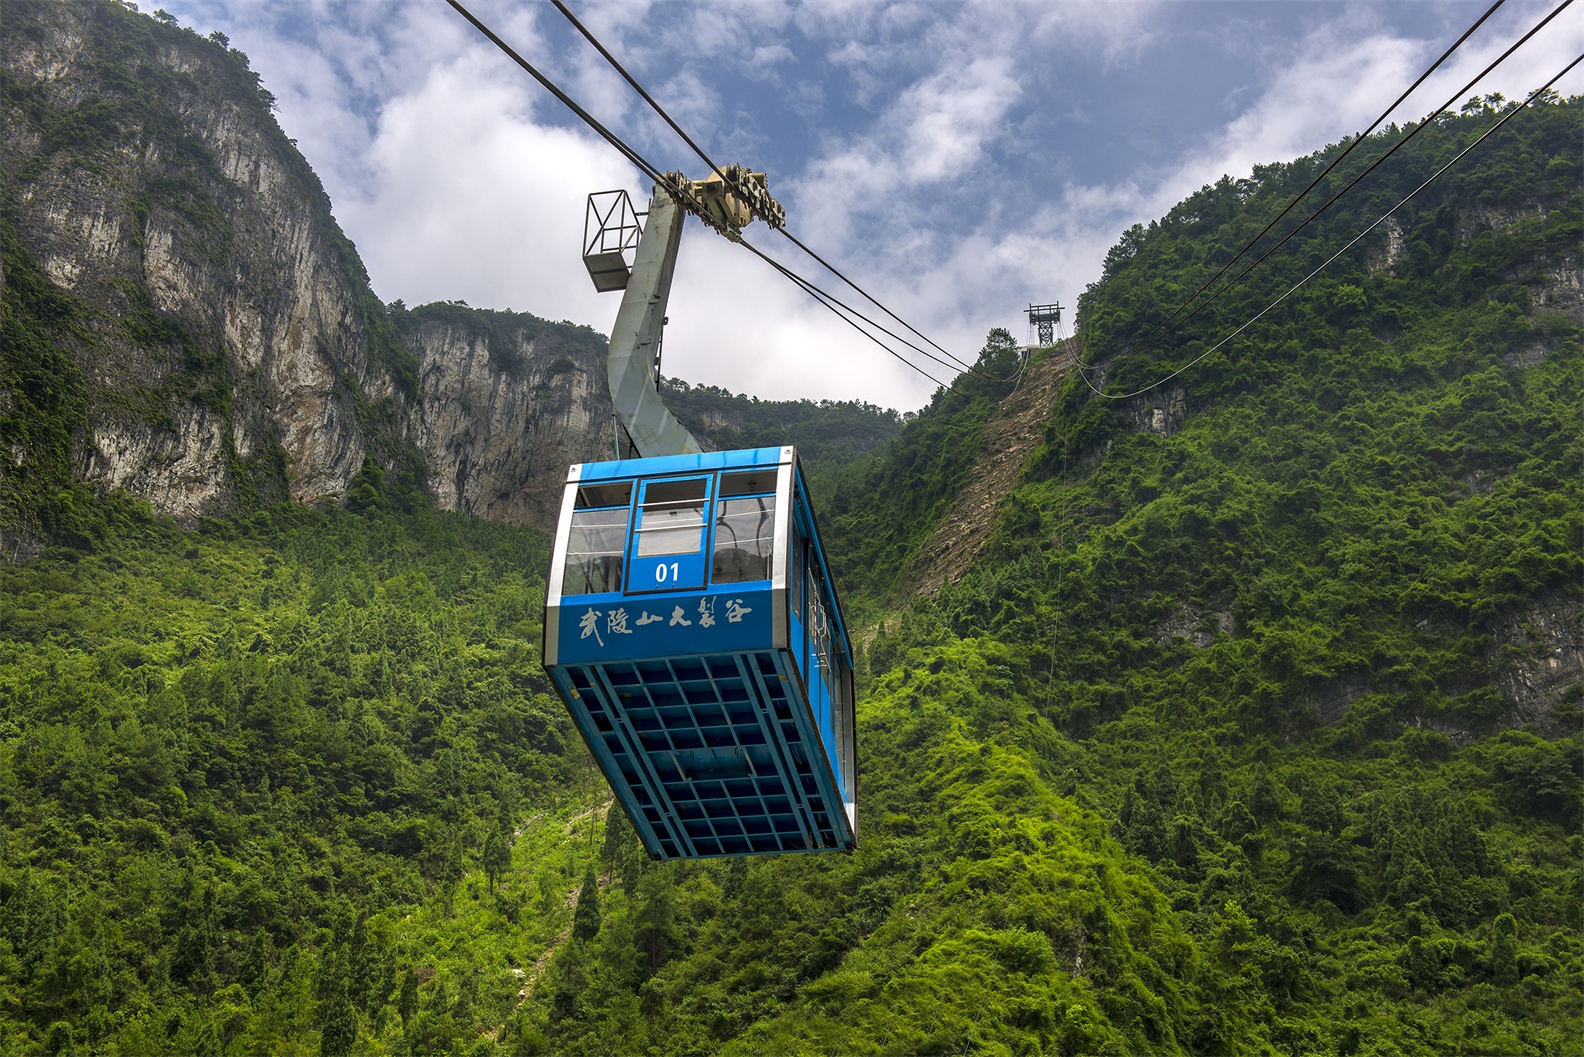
[(665, 464)]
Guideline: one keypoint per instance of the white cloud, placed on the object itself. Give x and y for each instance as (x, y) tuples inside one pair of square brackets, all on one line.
[(771, 54), (928, 181), (470, 201)]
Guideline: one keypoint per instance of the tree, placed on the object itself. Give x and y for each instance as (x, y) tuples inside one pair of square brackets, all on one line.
[(586, 919), (340, 1019), (367, 491), (656, 918), (497, 849), (1504, 952), (407, 1002)]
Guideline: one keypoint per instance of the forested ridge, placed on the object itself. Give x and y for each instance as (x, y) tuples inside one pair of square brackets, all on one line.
[(1253, 729)]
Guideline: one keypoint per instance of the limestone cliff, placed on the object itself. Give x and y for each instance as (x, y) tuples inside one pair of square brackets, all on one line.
[(186, 321), (506, 402), (223, 345)]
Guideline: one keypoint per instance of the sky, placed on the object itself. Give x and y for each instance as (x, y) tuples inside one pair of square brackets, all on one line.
[(958, 160)]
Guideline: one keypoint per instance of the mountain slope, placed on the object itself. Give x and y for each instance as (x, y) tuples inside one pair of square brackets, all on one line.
[(1251, 727), (1301, 627)]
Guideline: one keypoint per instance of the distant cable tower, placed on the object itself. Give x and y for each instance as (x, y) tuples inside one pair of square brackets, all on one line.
[(1046, 318)]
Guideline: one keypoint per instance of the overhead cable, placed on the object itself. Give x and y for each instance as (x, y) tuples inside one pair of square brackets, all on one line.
[(658, 177), (1328, 261), (829, 301), (571, 104), (619, 68), (1357, 139), (1409, 135), (840, 310), (718, 171)]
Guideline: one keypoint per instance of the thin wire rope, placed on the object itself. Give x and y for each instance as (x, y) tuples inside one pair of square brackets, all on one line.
[(849, 308), (716, 169), (619, 68), (1357, 139), (1145, 346), (654, 174), (571, 104), (841, 310), (1378, 222)]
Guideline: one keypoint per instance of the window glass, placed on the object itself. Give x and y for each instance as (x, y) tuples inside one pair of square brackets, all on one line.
[(672, 520), (595, 546), (748, 482), (819, 627), (744, 539), (618, 493)]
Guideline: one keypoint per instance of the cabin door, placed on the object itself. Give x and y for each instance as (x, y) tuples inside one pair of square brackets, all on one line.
[(668, 541)]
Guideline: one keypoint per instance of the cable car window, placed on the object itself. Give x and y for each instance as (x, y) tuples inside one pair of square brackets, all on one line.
[(744, 538), (819, 627), (796, 579), (618, 493), (595, 545), (752, 482), (672, 519)]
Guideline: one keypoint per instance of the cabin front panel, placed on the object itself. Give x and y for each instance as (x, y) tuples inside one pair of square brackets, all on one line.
[(595, 629), (695, 638)]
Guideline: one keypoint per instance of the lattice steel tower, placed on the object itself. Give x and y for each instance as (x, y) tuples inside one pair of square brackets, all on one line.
[(1046, 318)]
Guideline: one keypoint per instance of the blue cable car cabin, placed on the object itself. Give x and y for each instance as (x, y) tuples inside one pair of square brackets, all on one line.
[(693, 631)]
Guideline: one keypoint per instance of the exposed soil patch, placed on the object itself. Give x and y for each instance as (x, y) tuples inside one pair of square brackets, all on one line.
[(1009, 439)]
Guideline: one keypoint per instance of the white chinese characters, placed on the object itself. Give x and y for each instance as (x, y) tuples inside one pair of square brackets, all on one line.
[(597, 623)]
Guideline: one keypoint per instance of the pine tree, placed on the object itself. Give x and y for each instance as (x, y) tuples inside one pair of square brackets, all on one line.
[(497, 849), (407, 1003), (340, 1018), (1504, 952), (586, 919)]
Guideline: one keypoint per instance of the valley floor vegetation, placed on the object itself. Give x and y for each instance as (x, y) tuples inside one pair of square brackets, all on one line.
[(1241, 735)]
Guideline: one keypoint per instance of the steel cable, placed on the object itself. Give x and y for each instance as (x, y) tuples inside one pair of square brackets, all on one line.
[(1328, 261), (718, 171), (1357, 139), (1148, 343), (651, 171)]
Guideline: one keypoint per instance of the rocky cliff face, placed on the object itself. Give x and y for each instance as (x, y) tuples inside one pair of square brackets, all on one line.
[(224, 347), (506, 403), (228, 345)]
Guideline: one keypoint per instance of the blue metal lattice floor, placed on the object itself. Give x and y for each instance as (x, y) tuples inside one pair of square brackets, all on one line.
[(709, 754)]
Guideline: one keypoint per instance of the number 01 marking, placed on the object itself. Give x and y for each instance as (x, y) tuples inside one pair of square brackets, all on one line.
[(660, 572)]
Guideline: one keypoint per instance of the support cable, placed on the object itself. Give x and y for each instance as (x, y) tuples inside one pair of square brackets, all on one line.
[(1378, 222), (571, 104), (1357, 139), (756, 251), (718, 171), (1148, 343), (651, 171), (656, 107), (831, 303)]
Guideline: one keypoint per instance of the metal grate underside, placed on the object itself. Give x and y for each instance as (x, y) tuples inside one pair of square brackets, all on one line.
[(710, 751)]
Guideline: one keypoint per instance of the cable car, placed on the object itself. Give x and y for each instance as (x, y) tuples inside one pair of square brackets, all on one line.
[(691, 624), (693, 631)]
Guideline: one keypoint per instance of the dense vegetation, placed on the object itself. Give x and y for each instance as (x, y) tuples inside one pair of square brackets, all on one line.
[(1241, 735), (1368, 517), (830, 433), (1296, 645), (247, 770)]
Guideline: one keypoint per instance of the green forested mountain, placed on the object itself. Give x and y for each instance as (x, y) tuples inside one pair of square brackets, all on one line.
[(1252, 729), (828, 432)]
